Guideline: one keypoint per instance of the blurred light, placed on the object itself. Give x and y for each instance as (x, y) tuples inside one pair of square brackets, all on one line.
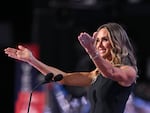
[(134, 1), (73, 3), (85, 2)]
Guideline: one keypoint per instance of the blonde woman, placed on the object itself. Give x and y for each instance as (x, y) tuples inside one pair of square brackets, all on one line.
[(111, 83)]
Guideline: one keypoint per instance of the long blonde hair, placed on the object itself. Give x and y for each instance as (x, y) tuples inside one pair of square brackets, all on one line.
[(122, 51)]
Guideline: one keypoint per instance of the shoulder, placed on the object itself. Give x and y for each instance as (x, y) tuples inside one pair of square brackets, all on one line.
[(95, 72), (94, 75)]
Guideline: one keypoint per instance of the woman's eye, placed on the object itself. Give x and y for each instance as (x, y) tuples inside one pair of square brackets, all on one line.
[(105, 39), (97, 40)]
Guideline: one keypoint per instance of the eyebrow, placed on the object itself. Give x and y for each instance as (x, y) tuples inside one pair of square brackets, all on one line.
[(97, 38)]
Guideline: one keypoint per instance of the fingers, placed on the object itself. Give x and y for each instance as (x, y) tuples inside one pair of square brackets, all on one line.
[(85, 38), (10, 50), (21, 47), (94, 35)]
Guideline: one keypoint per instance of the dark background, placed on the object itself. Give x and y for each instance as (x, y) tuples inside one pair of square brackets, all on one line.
[(55, 25)]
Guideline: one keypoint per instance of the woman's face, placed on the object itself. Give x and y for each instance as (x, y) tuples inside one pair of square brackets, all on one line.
[(103, 43)]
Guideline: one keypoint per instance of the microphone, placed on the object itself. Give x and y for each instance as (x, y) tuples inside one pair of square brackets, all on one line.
[(58, 77), (47, 79)]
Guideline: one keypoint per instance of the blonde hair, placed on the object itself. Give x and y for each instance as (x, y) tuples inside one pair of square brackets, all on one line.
[(122, 50)]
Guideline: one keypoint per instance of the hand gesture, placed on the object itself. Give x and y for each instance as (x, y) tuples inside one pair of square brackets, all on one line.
[(87, 41), (20, 53)]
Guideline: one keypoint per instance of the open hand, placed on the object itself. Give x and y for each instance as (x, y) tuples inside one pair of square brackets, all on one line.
[(86, 41), (20, 53)]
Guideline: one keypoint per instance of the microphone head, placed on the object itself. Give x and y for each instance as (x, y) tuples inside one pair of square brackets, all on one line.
[(58, 77), (48, 77)]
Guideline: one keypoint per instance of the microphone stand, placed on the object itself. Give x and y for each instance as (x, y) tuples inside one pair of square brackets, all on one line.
[(47, 79), (32, 92)]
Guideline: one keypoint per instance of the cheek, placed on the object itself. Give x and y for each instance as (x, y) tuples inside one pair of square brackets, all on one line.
[(107, 45)]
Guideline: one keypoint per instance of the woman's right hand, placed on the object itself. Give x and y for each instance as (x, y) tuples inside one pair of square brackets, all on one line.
[(20, 53)]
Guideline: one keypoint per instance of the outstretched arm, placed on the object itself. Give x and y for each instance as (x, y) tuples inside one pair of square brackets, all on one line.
[(23, 54)]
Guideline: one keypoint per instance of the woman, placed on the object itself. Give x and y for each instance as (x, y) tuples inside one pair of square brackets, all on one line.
[(116, 70)]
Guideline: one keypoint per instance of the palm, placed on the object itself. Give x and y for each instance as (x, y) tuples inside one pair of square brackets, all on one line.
[(86, 40), (21, 53)]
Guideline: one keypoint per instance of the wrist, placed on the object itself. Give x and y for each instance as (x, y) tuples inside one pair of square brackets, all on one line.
[(94, 54), (31, 60)]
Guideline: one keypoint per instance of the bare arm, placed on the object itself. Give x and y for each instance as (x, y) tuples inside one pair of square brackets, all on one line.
[(23, 54), (43, 68), (76, 79), (72, 79), (124, 75), (79, 78)]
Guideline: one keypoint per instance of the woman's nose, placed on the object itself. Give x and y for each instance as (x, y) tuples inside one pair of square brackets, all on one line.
[(100, 44)]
